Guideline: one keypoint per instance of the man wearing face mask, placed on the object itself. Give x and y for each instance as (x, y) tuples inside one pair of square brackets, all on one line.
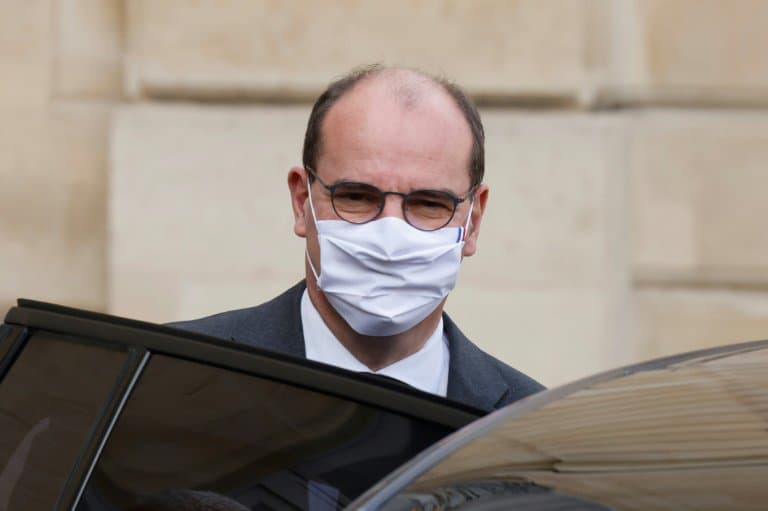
[(390, 200)]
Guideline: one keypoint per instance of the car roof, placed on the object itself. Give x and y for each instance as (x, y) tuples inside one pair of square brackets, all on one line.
[(682, 432)]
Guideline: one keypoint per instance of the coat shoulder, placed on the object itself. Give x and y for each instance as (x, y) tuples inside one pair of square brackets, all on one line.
[(222, 325), (274, 325), (520, 384), (479, 379)]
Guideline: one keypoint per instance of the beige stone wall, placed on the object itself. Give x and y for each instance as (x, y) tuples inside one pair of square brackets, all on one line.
[(246, 48), (53, 154), (144, 147)]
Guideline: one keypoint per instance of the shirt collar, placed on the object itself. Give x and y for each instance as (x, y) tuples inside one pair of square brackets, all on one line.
[(417, 370)]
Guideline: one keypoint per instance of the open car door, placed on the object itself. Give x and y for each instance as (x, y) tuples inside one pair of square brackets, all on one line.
[(100, 413)]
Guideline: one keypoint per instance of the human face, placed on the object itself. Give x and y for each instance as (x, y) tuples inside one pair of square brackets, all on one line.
[(370, 136)]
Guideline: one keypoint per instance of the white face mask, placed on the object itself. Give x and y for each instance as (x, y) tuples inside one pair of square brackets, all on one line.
[(385, 276)]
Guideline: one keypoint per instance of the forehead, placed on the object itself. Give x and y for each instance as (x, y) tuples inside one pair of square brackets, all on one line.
[(407, 133)]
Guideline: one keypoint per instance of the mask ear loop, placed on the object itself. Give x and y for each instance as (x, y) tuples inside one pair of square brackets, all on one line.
[(469, 217), (317, 230), (311, 206)]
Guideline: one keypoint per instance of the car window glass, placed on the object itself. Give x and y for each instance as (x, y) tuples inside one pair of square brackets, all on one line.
[(50, 400), (193, 435), (5, 331), (7, 338)]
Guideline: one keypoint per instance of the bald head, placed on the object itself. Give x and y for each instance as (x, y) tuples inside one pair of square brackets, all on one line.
[(401, 88), (407, 87)]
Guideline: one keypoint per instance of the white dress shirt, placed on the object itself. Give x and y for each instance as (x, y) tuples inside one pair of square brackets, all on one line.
[(426, 370)]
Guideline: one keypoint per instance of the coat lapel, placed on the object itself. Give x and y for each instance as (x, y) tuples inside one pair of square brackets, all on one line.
[(472, 378)]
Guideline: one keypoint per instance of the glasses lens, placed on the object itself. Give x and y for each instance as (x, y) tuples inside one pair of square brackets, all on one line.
[(357, 202), (429, 209)]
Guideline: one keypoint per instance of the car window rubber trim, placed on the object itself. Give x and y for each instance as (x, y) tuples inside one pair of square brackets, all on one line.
[(114, 405)]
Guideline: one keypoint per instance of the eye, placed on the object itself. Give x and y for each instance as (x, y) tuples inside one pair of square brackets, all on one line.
[(353, 196), (430, 200), (354, 192), (432, 204)]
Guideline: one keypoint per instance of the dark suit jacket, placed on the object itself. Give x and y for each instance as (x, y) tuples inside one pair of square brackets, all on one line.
[(474, 377)]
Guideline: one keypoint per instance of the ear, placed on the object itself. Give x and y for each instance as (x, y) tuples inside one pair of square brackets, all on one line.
[(297, 184), (470, 241)]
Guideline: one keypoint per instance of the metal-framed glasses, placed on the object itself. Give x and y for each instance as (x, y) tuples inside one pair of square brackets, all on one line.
[(358, 203)]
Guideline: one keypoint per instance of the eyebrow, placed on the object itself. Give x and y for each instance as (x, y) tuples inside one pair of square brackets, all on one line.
[(355, 182)]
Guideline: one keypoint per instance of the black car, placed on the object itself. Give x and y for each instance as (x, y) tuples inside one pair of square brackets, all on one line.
[(99, 413), (683, 433)]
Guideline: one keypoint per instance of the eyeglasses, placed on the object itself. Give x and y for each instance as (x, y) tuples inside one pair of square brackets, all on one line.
[(358, 203)]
